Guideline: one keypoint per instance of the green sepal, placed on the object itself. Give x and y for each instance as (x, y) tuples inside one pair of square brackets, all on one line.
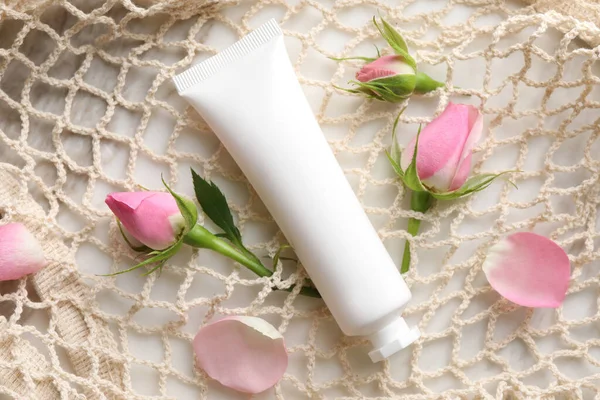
[(140, 249), (395, 154), (164, 256), (278, 257), (403, 85), (411, 176), (187, 208), (368, 92), (377, 50), (158, 256), (158, 267), (366, 59), (395, 40), (472, 185), (390, 34), (425, 83), (397, 168), (421, 202), (354, 91), (393, 89), (362, 91), (395, 151)]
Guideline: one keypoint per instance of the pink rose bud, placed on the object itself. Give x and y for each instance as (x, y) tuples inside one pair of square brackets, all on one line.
[(383, 67), (153, 218), (445, 147), (391, 78), (388, 78), (20, 252)]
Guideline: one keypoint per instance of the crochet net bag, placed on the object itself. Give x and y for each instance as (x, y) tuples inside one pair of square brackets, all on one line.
[(88, 107)]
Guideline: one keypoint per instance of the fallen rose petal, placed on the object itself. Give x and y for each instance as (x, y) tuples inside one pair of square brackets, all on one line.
[(20, 252), (529, 270), (243, 353)]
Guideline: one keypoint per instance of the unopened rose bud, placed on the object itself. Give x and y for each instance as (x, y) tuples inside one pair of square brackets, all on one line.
[(445, 147), (153, 218), (388, 77), (391, 78)]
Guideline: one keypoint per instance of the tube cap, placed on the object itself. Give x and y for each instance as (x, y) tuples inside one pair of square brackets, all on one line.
[(392, 338)]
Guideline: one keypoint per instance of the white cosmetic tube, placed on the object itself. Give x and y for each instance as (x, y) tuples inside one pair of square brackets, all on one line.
[(250, 97)]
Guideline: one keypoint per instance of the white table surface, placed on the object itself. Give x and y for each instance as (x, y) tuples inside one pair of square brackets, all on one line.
[(437, 354)]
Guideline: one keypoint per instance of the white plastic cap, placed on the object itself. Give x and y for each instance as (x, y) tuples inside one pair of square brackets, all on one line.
[(392, 338)]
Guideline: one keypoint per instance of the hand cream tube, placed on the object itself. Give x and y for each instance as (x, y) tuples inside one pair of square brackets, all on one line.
[(250, 97)]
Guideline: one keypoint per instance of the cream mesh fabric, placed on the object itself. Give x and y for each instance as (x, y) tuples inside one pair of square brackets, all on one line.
[(584, 10), (87, 107)]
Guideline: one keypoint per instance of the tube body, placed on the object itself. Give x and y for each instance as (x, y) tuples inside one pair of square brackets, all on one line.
[(250, 96)]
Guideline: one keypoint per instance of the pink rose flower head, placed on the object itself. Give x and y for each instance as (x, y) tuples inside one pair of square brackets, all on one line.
[(383, 67), (391, 78), (445, 147), (246, 354), (20, 252), (529, 270), (152, 218)]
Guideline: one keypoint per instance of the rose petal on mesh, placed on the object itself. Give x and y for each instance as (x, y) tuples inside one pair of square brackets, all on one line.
[(529, 270), (243, 353)]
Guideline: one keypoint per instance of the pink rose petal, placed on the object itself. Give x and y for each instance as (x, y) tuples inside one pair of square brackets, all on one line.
[(20, 252), (383, 67), (462, 173), (243, 353), (529, 270)]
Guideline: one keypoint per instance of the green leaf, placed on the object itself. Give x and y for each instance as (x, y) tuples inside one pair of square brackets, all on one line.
[(396, 41), (214, 204), (411, 176), (472, 185), (187, 208)]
